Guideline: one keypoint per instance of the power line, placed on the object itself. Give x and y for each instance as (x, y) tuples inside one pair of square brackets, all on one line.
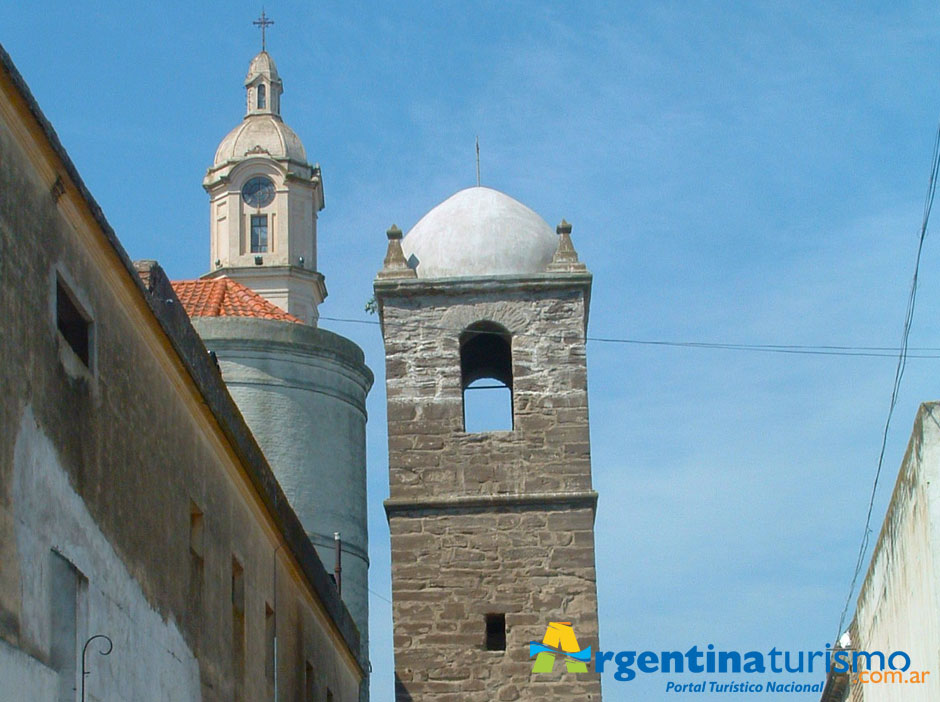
[(815, 350), (381, 597), (898, 374)]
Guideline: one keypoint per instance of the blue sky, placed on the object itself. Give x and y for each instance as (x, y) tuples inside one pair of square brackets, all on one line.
[(747, 172)]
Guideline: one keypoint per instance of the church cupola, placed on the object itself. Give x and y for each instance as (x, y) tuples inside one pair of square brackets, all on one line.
[(263, 86), (264, 199)]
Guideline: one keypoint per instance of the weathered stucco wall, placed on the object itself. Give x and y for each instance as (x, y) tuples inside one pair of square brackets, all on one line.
[(898, 602), (495, 522), (101, 465), (48, 511)]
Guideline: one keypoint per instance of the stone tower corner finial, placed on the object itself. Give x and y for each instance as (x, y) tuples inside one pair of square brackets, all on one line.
[(395, 264), (565, 258)]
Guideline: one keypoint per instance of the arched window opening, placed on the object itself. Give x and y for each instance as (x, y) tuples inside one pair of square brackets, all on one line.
[(262, 98), (486, 378)]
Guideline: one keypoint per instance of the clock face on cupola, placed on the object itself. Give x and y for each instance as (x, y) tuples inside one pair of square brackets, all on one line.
[(264, 202), (258, 192)]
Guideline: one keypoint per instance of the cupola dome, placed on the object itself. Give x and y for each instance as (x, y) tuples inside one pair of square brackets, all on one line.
[(260, 134), (479, 232)]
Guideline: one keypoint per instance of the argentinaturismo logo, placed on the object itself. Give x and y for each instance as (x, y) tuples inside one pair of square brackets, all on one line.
[(754, 666), (559, 642)]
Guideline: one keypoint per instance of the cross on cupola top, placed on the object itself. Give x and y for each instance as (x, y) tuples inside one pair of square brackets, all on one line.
[(264, 22)]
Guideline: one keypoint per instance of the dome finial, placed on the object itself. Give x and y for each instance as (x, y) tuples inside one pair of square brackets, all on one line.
[(395, 265), (264, 22), (565, 258)]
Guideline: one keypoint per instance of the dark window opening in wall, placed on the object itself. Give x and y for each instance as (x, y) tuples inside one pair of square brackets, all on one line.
[(196, 535), (270, 638), (259, 233), (486, 377), (495, 632), (238, 586), (310, 689), (73, 324), (238, 628), (196, 566), (66, 587), (261, 97), (329, 695)]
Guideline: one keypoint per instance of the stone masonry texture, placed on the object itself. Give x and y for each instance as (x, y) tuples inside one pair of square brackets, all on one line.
[(494, 522)]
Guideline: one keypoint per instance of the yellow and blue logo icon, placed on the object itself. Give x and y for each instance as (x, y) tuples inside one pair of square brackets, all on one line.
[(560, 641)]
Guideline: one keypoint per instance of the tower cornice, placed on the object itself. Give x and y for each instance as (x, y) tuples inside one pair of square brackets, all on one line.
[(465, 284), (471, 503)]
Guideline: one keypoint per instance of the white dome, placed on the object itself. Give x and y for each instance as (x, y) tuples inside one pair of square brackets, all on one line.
[(260, 133), (479, 231)]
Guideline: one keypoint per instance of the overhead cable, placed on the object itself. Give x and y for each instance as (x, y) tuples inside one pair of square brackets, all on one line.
[(903, 355), (815, 350)]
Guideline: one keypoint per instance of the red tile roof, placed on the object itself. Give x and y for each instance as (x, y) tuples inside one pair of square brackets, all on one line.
[(224, 297)]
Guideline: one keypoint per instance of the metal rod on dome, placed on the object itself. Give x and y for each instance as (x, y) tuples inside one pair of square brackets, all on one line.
[(478, 161)]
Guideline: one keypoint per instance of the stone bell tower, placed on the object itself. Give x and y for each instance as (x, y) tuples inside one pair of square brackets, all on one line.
[(492, 531)]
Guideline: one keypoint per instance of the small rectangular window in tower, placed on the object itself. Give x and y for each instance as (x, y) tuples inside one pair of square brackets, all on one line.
[(259, 233), (73, 323), (495, 632)]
